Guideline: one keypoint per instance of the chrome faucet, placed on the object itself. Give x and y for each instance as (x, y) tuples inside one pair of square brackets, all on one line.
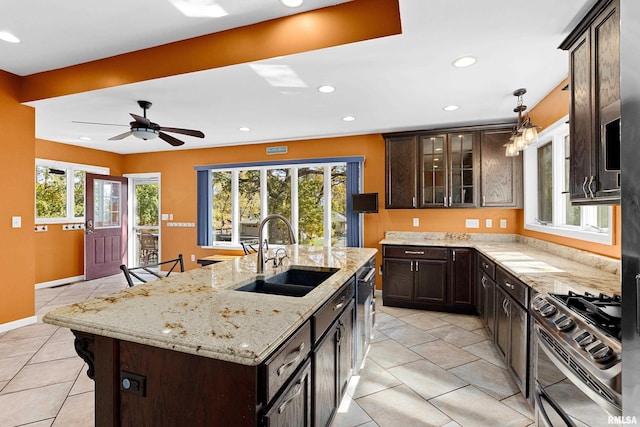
[(292, 238)]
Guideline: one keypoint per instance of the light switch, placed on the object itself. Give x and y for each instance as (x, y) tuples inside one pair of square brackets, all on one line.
[(165, 217), (472, 223), (416, 222), (488, 223), (16, 221), (503, 223)]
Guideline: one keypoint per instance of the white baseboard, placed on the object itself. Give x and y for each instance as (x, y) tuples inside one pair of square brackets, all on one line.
[(4, 327), (59, 282)]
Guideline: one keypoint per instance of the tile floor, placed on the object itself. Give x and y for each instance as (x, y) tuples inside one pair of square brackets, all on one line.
[(423, 369)]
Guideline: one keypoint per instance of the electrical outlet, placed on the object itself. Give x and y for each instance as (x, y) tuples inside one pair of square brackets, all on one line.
[(16, 221), (503, 223), (416, 222), (193, 257), (488, 223), (170, 217), (472, 223)]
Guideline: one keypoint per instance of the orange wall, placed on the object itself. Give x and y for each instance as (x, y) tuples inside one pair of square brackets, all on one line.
[(60, 254), (548, 111), (17, 127)]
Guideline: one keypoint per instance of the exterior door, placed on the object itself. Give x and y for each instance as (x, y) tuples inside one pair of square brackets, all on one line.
[(105, 240)]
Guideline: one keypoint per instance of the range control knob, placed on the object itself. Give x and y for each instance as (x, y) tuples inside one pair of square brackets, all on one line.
[(547, 309), (537, 302), (584, 338), (564, 323), (600, 352)]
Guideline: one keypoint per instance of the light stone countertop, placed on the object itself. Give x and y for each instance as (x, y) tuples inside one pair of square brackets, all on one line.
[(199, 312), (544, 266)]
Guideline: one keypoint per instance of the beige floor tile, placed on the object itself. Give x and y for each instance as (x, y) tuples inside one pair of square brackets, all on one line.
[(77, 411), (62, 334), (13, 348), (401, 406), (384, 321), (10, 366), (408, 335), (444, 354), (425, 321), (43, 374), (482, 332), (466, 321), (399, 311), (487, 377), (427, 379), (2, 384), (486, 350), (31, 331), (378, 336), (54, 351), (520, 404), (83, 383), (469, 406), (350, 414), (372, 379), (43, 423), (32, 405), (456, 335), (390, 353)]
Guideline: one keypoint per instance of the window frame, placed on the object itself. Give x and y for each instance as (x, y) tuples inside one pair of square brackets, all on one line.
[(556, 134), (70, 169)]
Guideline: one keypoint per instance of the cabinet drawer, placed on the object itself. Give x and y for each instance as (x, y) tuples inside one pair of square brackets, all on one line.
[(326, 314), (285, 361), (414, 252), (514, 287), (486, 266)]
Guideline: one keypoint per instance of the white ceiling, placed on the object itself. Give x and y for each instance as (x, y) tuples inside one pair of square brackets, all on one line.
[(394, 83)]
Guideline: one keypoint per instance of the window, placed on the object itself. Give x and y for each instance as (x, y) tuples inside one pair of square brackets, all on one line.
[(60, 190), (547, 205), (234, 200)]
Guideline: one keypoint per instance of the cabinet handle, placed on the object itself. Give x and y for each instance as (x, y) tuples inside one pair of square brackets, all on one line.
[(509, 285), (416, 265), (485, 265), (584, 185), (453, 252), (291, 360), (484, 200), (339, 305), (413, 201), (589, 187), (411, 266), (484, 281), (414, 252), (445, 201), (450, 200), (293, 395)]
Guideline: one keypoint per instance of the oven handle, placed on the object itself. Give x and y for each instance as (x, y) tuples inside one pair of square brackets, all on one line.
[(369, 276), (542, 395)]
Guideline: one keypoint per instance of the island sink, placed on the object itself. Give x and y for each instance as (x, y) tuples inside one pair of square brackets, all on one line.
[(295, 282)]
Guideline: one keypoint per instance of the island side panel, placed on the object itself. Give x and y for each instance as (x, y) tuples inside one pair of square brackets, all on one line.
[(107, 384)]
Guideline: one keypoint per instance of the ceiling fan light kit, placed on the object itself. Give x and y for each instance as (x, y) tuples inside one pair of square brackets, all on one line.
[(144, 133)]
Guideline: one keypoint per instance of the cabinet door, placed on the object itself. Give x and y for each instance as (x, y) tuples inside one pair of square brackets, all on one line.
[(433, 171), (489, 310), (518, 358), (463, 169), (398, 279), (401, 170), (502, 322), (431, 281), (324, 365), (461, 275), (294, 407), (501, 176), (345, 350), (580, 124)]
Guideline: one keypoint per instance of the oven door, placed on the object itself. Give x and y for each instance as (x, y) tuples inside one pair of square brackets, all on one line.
[(562, 398)]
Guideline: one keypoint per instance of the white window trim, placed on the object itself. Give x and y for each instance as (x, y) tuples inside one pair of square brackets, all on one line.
[(555, 134), (70, 168)]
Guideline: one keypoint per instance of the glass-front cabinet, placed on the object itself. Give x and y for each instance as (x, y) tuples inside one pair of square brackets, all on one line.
[(449, 170)]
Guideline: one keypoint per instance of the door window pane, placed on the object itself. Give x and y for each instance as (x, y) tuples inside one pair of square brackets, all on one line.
[(545, 183), (51, 192), (222, 219), (78, 194), (339, 205), (106, 211), (249, 204), (572, 213), (278, 202), (311, 205)]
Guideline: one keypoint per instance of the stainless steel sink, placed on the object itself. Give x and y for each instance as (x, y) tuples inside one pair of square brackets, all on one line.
[(295, 282)]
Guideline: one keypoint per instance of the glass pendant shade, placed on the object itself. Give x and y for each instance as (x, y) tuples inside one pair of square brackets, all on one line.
[(511, 150), (519, 142), (530, 134)]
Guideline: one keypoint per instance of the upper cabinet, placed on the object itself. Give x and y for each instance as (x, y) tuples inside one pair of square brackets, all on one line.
[(594, 119), (451, 168)]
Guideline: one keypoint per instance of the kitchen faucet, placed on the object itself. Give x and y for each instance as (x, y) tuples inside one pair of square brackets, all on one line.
[(292, 238)]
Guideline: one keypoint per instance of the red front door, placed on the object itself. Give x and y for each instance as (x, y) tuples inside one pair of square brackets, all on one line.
[(105, 243)]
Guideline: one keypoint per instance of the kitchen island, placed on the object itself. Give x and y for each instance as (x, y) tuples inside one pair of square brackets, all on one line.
[(190, 348)]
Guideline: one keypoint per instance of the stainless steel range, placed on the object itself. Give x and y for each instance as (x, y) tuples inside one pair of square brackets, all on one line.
[(577, 354)]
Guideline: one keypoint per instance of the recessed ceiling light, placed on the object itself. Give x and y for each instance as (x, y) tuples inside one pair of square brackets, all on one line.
[(8, 37), (348, 118), (326, 89), (291, 3), (199, 8), (450, 108), (84, 138), (244, 129), (464, 61)]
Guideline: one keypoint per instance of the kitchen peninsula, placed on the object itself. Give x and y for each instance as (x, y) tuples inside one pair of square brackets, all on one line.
[(192, 349)]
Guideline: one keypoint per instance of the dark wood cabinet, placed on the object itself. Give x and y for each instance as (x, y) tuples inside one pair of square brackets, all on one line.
[(594, 122), (501, 183), (293, 408), (486, 293), (428, 277), (401, 154)]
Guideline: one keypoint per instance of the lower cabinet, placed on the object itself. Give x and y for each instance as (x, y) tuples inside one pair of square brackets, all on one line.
[(293, 408), (487, 303)]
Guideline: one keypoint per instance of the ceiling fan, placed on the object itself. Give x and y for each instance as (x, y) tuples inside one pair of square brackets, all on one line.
[(144, 128)]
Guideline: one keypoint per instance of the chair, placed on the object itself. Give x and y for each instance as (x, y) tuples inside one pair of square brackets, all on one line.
[(151, 272), (148, 248), (249, 247)]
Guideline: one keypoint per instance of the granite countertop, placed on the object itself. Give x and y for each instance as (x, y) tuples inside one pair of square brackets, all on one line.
[(544, 266), (199, 312)]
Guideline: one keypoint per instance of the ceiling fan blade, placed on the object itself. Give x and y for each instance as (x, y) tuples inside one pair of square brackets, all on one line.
[(189, 132), (101, 124), (121, 136), (142, 120), (171, 140)]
